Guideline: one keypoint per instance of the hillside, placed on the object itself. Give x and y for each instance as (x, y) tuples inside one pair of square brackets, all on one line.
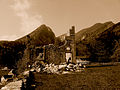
[(102, 44), (41, 36), (86, 36), (12, 51), (93, 31)]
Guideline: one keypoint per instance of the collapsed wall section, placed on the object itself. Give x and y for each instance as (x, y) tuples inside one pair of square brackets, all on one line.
[(53, 54)]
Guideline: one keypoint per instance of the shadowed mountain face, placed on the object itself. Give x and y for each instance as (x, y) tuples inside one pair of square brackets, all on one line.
[(43, 35), (86, 37), (12, 51), (110, 38), (100, 44), (93, 31)]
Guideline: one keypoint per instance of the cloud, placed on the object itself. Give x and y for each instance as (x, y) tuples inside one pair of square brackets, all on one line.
[(28, 22)]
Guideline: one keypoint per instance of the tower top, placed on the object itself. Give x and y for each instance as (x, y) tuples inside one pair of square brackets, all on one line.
[(72, 31), (73, 27)]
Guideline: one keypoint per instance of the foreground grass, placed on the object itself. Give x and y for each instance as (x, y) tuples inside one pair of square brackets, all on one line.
[(93, 77)]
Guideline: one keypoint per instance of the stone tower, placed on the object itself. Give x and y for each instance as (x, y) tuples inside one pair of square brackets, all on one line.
[(73, 44)]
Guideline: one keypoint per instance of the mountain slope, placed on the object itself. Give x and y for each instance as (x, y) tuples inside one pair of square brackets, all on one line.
[(41, 36), (13, 51), (102, 46), (93, 31), (111, 40)]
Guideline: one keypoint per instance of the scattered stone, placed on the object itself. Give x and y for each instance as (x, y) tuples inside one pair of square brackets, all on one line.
[(5, 68), (11, 73), (13, 86), (51, 68), (3, 80), (62, 66), (66, 72), (26, 73)]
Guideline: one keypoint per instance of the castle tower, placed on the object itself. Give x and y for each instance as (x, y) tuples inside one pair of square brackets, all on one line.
[(73, 44)]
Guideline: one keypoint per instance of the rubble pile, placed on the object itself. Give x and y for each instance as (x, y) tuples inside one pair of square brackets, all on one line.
[(63, 68), (41, 67), (36, 66), (55, 69), (51, 68), (13, 86)]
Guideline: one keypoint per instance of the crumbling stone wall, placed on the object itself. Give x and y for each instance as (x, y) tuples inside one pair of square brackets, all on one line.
[(54, 55)]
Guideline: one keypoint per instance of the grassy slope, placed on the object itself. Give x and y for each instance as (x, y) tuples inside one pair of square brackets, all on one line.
[(94, 77)]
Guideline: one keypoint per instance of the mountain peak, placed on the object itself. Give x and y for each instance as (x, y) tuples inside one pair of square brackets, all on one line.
[(108, 23), (43, 25), (41, 36)]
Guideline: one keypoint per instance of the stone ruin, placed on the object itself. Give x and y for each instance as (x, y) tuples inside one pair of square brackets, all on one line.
[(65, 53), (50, 58)]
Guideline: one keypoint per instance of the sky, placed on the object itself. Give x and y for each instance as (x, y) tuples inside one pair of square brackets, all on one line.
[(20, 17)]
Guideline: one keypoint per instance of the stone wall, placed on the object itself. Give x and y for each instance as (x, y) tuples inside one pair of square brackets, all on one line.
[(54, 55)]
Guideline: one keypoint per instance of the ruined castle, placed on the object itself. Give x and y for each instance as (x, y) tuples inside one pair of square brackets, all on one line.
[(65, 53)]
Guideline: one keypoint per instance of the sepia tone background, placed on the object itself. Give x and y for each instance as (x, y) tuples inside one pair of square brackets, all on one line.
[(20, 17)]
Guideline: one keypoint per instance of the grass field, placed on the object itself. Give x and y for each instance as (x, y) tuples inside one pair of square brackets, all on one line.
[(94, 77)]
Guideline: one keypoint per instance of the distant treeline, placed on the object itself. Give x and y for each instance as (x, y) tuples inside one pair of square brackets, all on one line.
[(11, 52)]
